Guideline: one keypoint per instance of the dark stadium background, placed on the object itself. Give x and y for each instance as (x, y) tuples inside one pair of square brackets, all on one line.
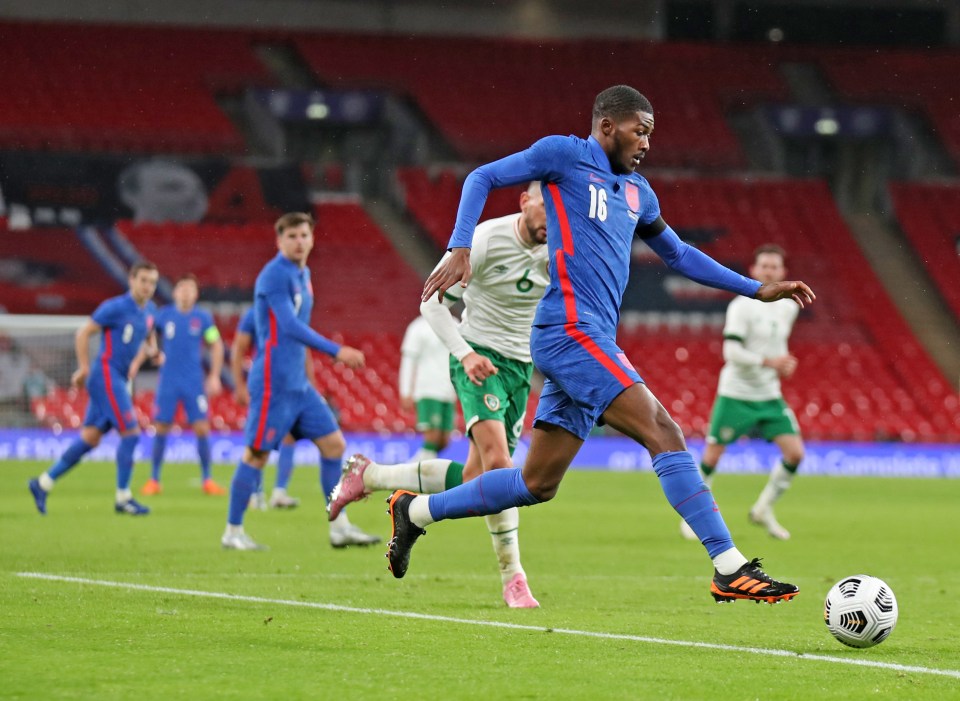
[(179, 131)]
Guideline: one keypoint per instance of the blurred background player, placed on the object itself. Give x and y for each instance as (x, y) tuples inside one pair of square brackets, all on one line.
[(245, 341), (282, 401), (425, 386), (126, 324), (184, 329), (749, 395), (491, 369)]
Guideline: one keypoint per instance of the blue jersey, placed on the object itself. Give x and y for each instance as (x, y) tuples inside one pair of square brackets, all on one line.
[(283, 300), (592, 217), (125, 325), (183, 335)]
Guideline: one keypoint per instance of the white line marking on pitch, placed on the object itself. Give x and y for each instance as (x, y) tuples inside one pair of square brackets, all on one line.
[(495, 624)]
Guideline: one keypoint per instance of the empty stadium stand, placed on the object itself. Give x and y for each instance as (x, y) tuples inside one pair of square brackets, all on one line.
[(502, 109), (48, 270), (915, 79), (118, 88), (930, 216)]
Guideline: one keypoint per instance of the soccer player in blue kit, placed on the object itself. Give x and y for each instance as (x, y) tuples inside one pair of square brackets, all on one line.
[(184, 329), (245, 340), (596, 204), (126, 324), (281, 399)]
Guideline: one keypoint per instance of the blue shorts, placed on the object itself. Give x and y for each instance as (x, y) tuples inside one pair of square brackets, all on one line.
[(191, 395), (303, 414), (585, 372), (110, 403)]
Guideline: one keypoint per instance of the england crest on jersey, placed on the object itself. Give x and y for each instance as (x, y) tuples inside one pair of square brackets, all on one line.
[(633, 197)]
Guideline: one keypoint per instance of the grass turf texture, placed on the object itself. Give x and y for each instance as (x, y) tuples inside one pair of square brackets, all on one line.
[(605, 556)]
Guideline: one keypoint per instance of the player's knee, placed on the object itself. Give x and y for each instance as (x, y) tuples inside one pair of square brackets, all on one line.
[(332, 446), (91, 437), (793, 457), (495, 457), (543, 489)]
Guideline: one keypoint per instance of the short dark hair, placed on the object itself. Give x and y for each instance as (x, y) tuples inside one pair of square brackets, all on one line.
[(141, 265), (292, 219), (770, 248), (187, 277), (620, 101)]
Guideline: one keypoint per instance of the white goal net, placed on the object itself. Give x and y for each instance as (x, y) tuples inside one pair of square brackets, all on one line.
[(37, 358)]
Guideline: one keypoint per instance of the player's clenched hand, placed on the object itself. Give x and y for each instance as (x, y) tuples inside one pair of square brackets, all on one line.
[(454, 269), (798, 291), (785, 365), (407, 403), (213, 386), (351, 357), (79, 378), (478, 367), (241, 395)]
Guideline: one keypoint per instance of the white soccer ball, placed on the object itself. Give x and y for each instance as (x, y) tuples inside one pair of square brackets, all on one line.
[(860, 611)]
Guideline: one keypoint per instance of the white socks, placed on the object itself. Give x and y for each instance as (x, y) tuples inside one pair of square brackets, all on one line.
[(424, 477), (46, 482), (779, 482), (729, 561), (341, 521), (420, 511), (124, 495), (504, 530)]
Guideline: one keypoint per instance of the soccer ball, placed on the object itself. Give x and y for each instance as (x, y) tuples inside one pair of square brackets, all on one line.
[(860, 611)]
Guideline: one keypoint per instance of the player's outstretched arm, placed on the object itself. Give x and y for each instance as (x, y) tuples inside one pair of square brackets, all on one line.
[(796, 290), (288, 323)]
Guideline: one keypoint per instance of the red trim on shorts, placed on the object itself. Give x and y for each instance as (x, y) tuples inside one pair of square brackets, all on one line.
[(108, 380), (593, 349), (265, 402)]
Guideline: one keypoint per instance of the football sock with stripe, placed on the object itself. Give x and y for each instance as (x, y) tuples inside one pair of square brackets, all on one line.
[(71, 456), (684, 488), (156, 455), (424, 476), (284, 464), (490, 493), (203, 451), (244, 483)]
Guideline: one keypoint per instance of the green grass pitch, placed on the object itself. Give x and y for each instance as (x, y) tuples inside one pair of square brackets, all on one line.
[(604, 557)]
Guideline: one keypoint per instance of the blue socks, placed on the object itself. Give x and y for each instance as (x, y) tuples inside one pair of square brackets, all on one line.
[(684, 488), (245, 480), (490, 493), (203, 450), (156, 458), (160, 449), (330, 469), (71, 456), (128, 444), (285, 465)]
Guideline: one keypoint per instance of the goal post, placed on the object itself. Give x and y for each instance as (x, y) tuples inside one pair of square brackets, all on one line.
[(37, 358)]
